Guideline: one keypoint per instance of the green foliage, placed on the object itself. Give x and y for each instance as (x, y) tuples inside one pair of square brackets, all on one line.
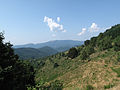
[(89, 50), (83, 55), (105, 43), (93, 41), (56, 85), (108, 86), (34, 53), (118, 58), (80, 48), (87, 42), (117, 70), (56, 65), (14, 75), (116, 48), (72, 53), (105, 40), (89, 87)]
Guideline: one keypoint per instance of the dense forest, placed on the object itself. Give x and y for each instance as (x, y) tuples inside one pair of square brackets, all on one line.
[(14, 74), (85, 66)]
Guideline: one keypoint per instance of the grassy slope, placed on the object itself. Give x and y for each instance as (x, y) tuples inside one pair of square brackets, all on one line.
[(101, 70), (77, 74)]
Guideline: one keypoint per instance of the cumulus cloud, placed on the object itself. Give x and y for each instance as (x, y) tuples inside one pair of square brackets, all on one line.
[(58, 19), (94, 28), (54, 26), (108, 28), (53, 35), (64, 31), (83, 31)]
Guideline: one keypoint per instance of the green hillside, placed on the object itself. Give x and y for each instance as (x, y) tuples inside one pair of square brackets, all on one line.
[(33, 53), (92, 66), (95, 65)]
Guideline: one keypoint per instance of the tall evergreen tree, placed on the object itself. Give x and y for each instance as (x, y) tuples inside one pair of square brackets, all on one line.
[(14, 75)]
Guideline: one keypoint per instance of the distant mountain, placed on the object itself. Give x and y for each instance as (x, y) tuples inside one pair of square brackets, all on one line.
[(48, 50), (27, 53), (59, 45)]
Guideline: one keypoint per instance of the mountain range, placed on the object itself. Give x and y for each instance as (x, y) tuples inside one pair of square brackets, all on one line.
[(44, 49)]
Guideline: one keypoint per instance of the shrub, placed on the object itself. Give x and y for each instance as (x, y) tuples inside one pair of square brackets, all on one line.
[(108, 86), (72, 53), (56, 65), (118, 58), (89, 50), (89, 87), (80, 49), (87, 42), (116, 48), (56, 85), (83, 55)]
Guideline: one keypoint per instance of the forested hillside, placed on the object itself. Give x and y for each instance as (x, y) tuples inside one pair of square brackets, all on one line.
[(94, 65), (34, 53)]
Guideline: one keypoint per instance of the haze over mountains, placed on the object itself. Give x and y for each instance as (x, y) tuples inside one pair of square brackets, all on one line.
[(44, 49)]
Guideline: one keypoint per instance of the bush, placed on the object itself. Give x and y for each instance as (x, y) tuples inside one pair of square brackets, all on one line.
[(55, 65), (118, 58), (87, 42), (108, 86), (89, 50), (72, 53), (56, 85), (80, 49), (83, 55), (89, 87), (116, 48)]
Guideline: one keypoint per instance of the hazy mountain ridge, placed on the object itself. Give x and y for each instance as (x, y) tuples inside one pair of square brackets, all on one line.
[(59, 45), (27, 53), (44, 49)]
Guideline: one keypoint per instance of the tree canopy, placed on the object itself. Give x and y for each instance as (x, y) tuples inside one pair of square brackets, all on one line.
[(72, 53), (14, 74)]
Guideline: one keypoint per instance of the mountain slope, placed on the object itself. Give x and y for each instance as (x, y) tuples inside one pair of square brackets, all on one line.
[(59, 45), (27, 53), (48, 50), (97, 65)]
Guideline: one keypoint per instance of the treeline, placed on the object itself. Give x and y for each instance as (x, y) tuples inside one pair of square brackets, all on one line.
[(18, 74), (106, 40), (14, 74)]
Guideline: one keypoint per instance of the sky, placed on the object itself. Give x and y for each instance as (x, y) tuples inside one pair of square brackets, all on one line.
[(37, 21)]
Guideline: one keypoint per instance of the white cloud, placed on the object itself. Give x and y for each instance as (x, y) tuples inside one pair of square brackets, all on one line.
[(54, 26), (108, 28), (64, 31), (53, 35), (94, 28), (58, 19), (83, 31)]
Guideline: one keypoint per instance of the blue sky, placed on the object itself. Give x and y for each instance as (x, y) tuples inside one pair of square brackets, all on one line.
[(36, 21)]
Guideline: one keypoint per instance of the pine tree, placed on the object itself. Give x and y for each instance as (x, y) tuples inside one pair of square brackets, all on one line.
[(14, 75)]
